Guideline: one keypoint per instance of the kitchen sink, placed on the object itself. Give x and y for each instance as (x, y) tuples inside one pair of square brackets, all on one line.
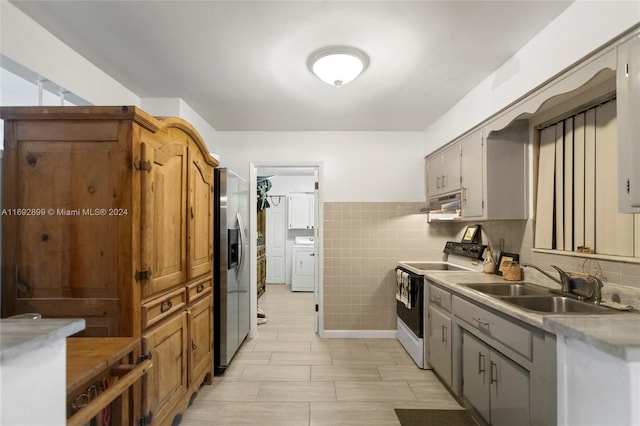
[(509, 289), (556, 305)]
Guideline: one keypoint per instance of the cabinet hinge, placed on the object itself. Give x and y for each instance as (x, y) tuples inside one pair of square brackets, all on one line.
[(317, 186), (143, 275), (316, 307), (628, 186), (143, 165), (146, 420), (145, 357)]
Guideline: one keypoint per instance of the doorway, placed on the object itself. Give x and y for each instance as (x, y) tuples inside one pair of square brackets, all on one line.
[(277, 236)]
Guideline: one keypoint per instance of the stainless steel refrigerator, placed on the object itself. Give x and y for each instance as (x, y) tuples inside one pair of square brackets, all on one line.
[(231, 266)]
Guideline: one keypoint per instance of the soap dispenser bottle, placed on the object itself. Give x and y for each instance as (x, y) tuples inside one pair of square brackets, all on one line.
[(489, 262)]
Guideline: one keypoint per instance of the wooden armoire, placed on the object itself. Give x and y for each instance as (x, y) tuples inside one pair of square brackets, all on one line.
[(107, 215)]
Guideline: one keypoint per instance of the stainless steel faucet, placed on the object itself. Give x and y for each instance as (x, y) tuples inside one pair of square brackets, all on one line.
[(597, 289), (564, 278), (568, 283)]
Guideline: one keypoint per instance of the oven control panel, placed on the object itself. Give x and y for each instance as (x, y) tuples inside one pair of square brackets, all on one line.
[(471, 250)]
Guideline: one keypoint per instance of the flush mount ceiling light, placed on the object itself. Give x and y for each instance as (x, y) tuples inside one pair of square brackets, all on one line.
[(338, 65)]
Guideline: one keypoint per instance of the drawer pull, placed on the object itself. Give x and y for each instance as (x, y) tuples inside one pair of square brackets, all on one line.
[(436, 299), (481, 321), (493, 376), (165, 306), (200, 288), (481, 368)]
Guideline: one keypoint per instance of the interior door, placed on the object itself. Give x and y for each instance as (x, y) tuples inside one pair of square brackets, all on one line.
[(276, 239)]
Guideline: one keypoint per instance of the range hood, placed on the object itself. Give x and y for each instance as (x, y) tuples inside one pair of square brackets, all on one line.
[(443, 208)]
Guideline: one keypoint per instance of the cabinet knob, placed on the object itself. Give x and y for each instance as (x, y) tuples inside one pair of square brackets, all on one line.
[(165, 306)]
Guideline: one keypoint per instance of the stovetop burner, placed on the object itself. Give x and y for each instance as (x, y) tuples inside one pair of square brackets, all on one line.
[(434, 266), (461, 257)]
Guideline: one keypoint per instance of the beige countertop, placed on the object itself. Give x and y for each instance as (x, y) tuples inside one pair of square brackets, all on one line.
[(617, 334)]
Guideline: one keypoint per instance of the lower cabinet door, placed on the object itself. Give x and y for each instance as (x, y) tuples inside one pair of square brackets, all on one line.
[(200, 340), (440, 344), (166, 381), (497, 387), (475, 373), (509, 392)]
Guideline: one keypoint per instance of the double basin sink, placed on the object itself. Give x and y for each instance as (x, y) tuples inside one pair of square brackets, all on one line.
[(538, 299)]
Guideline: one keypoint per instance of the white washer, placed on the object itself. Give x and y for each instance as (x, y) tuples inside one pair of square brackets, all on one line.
[(303, 264)]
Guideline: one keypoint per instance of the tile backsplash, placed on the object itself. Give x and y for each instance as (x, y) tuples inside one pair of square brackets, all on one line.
[(364, 241), (362, 244)]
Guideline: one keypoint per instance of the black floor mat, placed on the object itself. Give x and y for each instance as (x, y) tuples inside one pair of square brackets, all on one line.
[(434, 417)]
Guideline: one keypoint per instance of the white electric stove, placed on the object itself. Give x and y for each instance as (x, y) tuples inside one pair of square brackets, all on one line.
[(412, 319)]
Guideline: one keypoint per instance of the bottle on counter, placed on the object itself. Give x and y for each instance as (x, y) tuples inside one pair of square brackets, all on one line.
[(489, 262)]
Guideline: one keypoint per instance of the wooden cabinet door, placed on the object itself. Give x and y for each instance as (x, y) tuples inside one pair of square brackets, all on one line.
[(164, 205), (472, 159), (200, 215), (166, 381), (440, 344), (63, 244), (476, 375), (509, 392), (200, 339)]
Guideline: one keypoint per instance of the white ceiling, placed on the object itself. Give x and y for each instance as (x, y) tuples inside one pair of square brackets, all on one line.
[(242, 64)]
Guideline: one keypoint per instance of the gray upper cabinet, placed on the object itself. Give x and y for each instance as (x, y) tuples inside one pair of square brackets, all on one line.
[(628, 110), (443, 171), (472, 199), (493, 173)]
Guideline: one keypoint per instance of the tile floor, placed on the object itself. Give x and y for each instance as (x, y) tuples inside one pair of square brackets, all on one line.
[(287, 375)]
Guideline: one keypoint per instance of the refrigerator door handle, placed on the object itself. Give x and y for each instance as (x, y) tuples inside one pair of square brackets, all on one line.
[(241, 242)]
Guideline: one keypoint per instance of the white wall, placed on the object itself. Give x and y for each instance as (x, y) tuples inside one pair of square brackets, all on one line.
[(357, 166), (31, 46), (582, 28), (178, 108), (283, 185)]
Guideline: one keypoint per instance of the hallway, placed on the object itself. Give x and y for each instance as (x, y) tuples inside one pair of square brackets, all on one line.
[(287, 375)]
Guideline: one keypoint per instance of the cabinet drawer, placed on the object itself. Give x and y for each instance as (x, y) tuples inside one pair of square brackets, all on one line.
[(162, 307), (514, 336), (198, 289), (440, 297)]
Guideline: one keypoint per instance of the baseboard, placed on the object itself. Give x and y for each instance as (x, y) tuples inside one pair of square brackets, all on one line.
[(358, 334)]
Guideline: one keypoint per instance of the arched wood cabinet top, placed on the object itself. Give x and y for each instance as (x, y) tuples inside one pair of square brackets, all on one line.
[(124, 112)]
